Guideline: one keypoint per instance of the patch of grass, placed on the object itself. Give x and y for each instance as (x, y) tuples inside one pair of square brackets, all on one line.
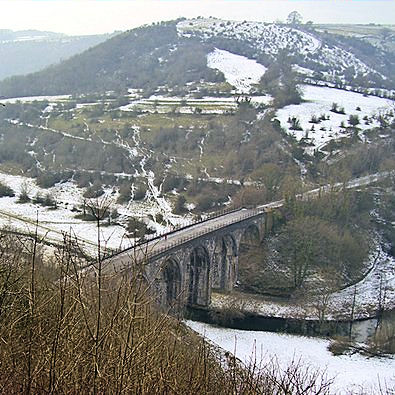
[(11, 168)]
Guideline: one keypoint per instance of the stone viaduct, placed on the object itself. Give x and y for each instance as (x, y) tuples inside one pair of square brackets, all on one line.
[(183, 267)]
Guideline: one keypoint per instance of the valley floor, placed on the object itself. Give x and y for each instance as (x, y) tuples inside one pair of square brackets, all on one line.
[(350, 373), (367, 296)]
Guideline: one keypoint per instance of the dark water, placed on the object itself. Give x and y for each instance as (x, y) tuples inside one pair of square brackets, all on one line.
[(361, 330)]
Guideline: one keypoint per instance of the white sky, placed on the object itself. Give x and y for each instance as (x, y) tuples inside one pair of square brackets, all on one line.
[(100, 16)]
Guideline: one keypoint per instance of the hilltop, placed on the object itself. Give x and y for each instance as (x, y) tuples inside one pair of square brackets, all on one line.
[(141, 58), (173, 54)]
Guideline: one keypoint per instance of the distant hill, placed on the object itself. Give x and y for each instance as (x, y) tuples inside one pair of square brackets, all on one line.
[(174, 54), (144, 57), (28, 51)]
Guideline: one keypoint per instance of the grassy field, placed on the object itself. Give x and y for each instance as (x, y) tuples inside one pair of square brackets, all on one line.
[(186, 132), (356, 30)]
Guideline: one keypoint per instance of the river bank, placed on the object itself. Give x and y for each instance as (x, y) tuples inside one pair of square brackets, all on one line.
[(365, 299), (359, 330)]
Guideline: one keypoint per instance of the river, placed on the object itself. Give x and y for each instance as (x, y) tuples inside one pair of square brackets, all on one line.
[(350, 373)]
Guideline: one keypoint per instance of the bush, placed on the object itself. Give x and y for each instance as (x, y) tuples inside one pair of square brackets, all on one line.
[(114, 214), (48, 180), (172, 182), (5, 190), (179, 206), (204, 202), (94, 191), (383, 341), (70, 363), (340, 346), (249, 197), (23, 197), (140, 192), (38, 199), (295, 124), (124, 192), (49, 201), (79, 335), (136, 228), (336, 109), (353, 120), (314, 119)]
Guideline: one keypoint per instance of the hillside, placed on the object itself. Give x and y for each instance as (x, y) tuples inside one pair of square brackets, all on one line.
[(173, 54), (377, 35), (187, 113), (172, 121), (31, 50), (164, 127), (142, 58)]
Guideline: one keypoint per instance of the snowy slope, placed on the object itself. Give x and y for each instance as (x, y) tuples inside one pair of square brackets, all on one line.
[(367, 294), (239, 71), (318, 101), (54, 223), (270, 38), (351, 373)]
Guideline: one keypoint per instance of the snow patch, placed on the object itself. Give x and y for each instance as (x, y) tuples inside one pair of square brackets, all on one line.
[(318, 101), (29, 99), (239, 71)]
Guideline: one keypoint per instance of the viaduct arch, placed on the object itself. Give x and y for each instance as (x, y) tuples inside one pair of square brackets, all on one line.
[(187, 265)]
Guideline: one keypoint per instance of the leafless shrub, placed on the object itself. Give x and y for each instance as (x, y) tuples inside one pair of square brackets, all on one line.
[(271, 378), (76, 334), (225, 316), (340, 346)]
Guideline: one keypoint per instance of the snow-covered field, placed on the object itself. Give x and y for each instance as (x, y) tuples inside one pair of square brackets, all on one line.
[(54, 223), (206, 105), (29, 99), (351, 373), (239, 71), (319, 102), (367, 291), (164, 105)]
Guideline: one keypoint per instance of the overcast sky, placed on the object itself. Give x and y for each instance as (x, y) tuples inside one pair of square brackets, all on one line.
[(101, 16)]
